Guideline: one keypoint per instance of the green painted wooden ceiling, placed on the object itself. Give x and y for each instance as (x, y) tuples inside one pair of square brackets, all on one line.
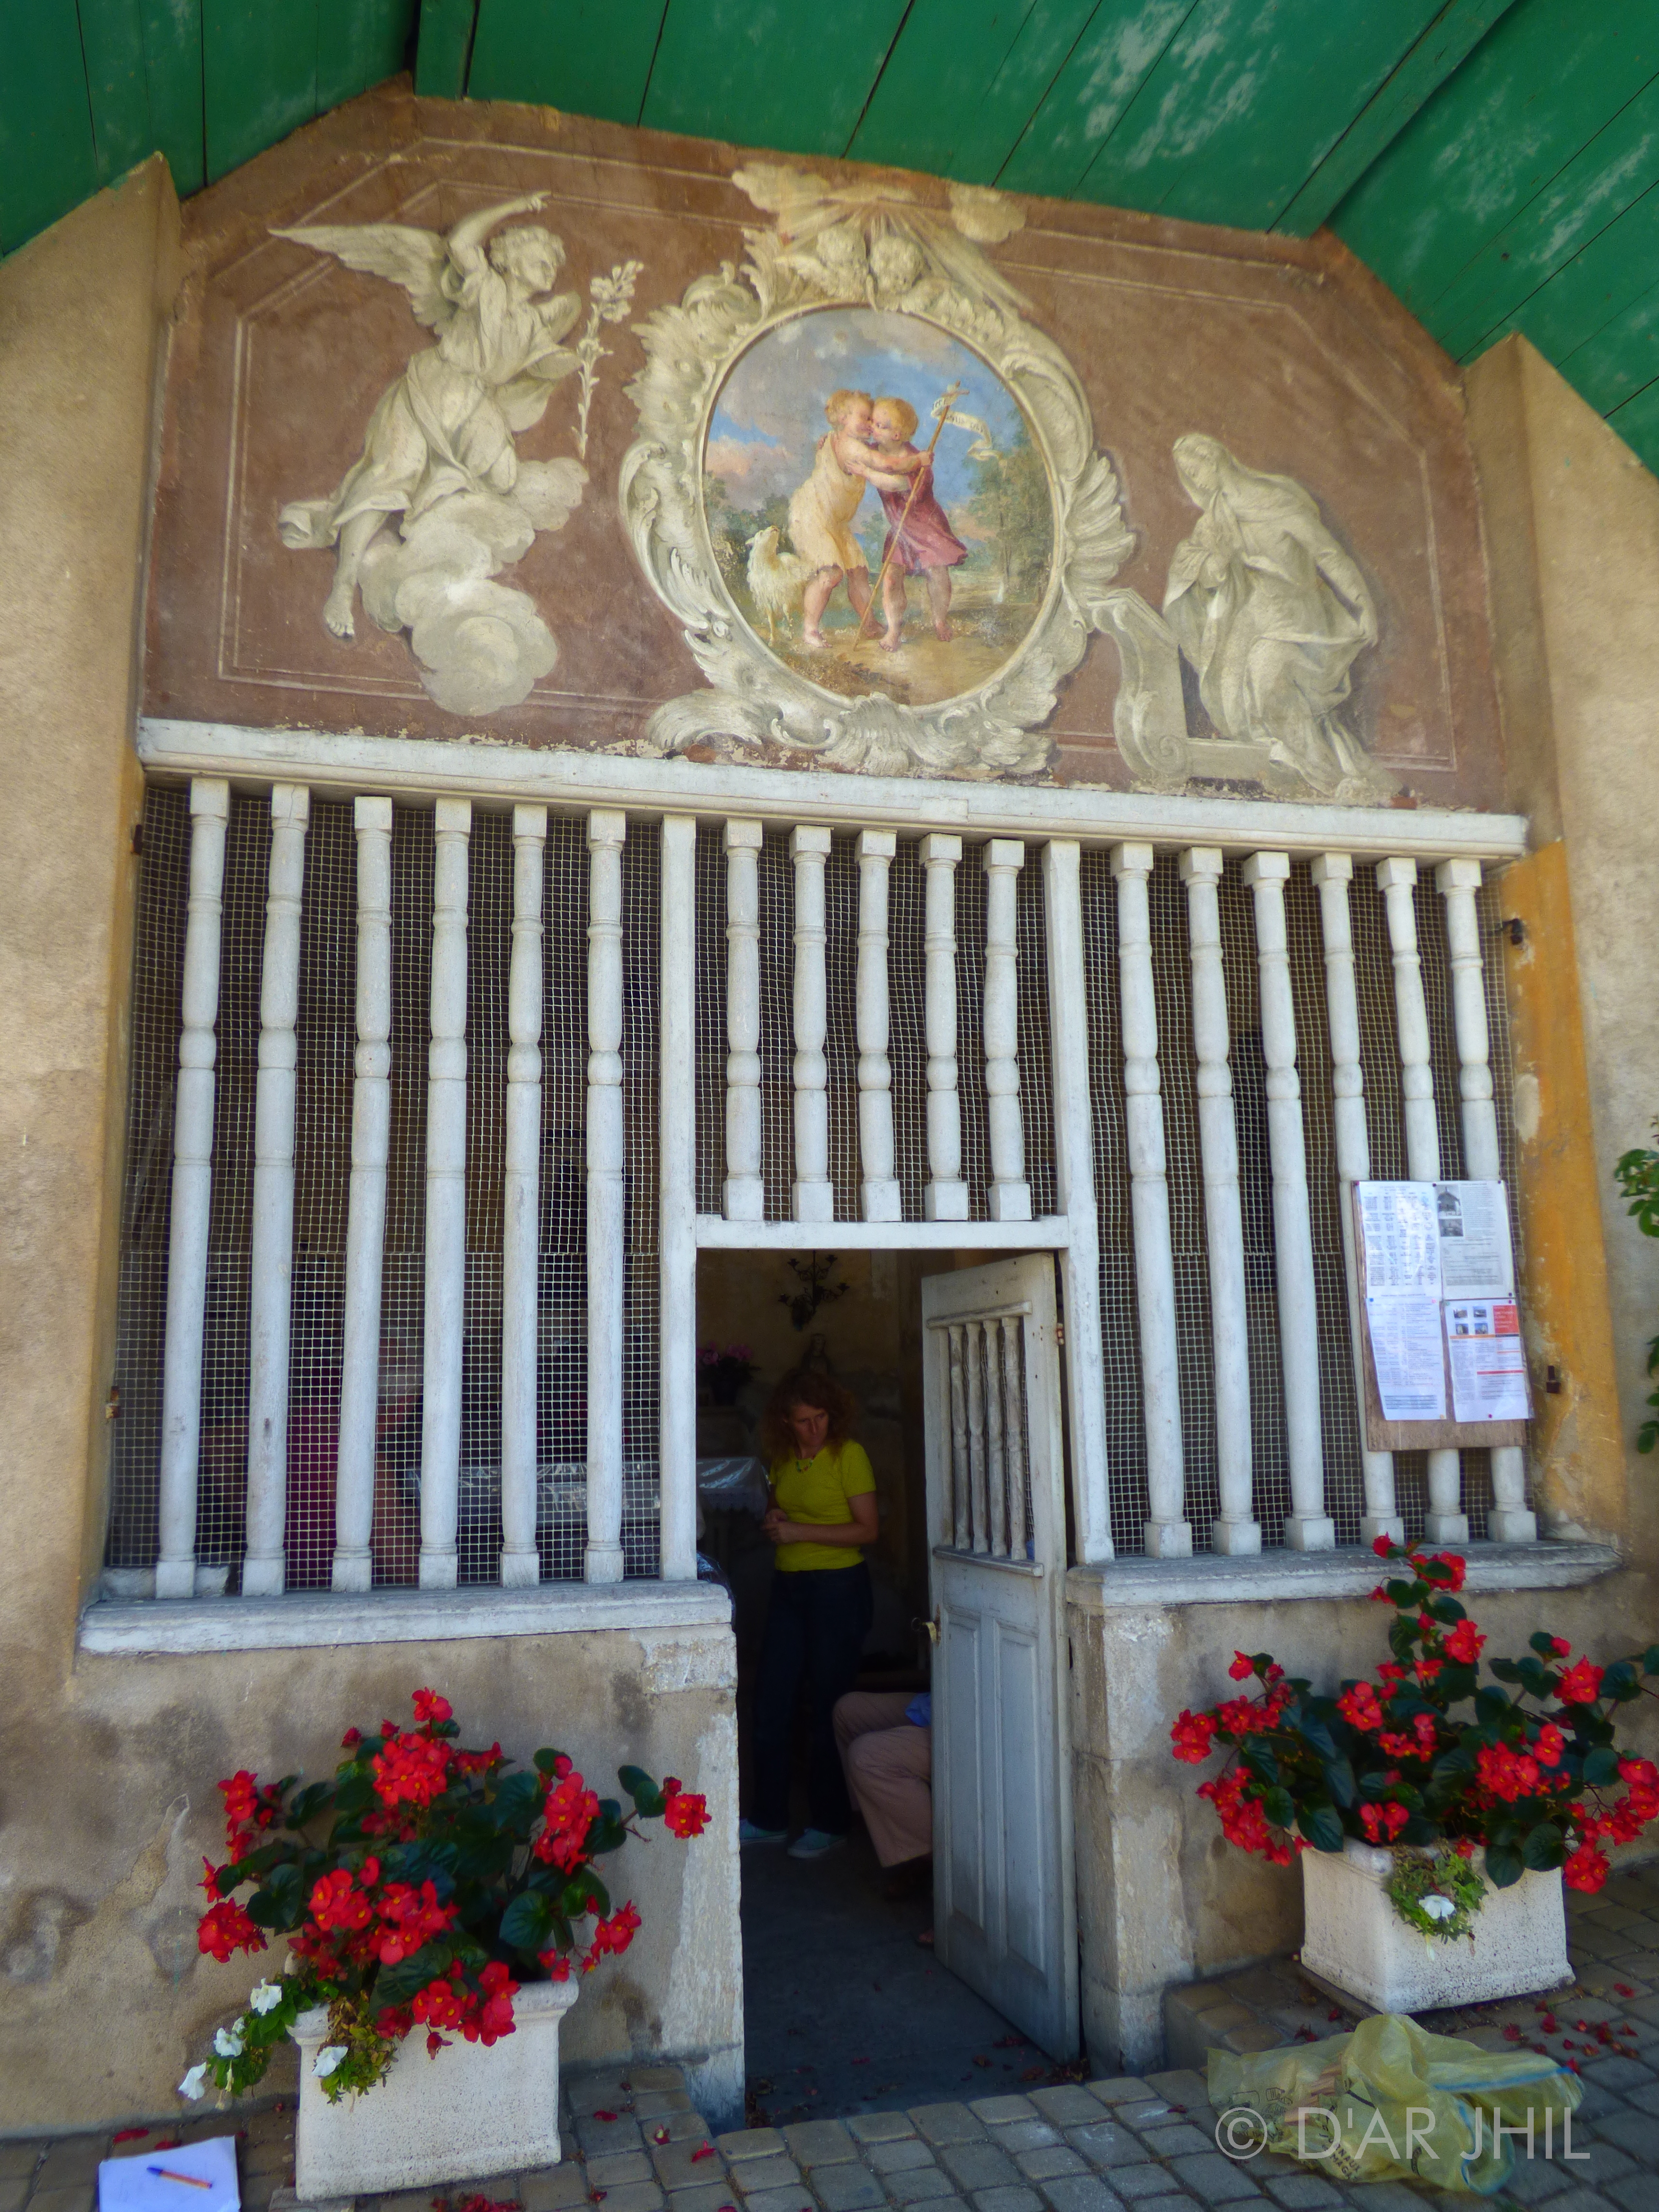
[(1495, 162)]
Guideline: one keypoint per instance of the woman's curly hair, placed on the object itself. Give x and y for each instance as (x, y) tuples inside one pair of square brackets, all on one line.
[(804, 1385)]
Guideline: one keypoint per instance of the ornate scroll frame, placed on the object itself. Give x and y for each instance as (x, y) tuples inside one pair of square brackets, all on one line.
[(868, 245)]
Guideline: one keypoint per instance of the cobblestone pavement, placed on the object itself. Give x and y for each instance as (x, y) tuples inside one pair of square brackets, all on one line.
[(634, 2144)]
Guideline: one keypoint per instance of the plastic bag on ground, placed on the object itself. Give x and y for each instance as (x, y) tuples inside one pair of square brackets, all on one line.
[(1393, 2103)]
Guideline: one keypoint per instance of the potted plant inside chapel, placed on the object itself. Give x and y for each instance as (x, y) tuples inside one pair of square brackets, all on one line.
[(432, 1899), (1436, 1815)]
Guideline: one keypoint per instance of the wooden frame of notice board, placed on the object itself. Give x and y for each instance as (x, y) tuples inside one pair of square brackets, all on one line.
[(1413, 1436)]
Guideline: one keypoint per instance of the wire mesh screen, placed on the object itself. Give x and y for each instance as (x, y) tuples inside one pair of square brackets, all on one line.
[(710, 985), (562, 1288), (158, 960), (489, 943), (1171, 973), (642, 984)]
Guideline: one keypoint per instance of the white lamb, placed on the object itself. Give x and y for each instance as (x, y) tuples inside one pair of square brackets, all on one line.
[(775, 580)]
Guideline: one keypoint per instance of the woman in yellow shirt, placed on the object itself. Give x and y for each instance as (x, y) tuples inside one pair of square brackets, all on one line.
[(822, 1515)]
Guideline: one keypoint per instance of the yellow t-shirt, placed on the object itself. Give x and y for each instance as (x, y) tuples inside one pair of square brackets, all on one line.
[(816, 1494)]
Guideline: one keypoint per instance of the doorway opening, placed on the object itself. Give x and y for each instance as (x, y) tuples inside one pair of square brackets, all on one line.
[(847, 2006)]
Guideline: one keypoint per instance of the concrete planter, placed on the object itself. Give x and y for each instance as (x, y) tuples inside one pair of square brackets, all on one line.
[(464, 2113), (1354, 1937)]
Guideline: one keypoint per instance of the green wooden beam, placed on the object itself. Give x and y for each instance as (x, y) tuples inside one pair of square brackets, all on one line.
[(1609, 368), (765, 74), (1538, 88), (1444, 47), (1584, 296), (173, 69), (1111, 57), (259, 76), (1247, 100), (48, 156), (1637, 423), (592, 56), (359, 43), (964, 79), (443, 49), (118, 90)]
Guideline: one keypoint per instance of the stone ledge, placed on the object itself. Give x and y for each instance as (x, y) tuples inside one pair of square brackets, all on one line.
[(304, 1619), (1210, 1578)]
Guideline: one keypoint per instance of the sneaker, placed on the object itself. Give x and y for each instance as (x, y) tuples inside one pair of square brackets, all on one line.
[(749, 1833), (815, 1844)]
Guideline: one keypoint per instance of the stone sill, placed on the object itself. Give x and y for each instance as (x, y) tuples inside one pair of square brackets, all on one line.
[(1210, 1578), (307, 1620)]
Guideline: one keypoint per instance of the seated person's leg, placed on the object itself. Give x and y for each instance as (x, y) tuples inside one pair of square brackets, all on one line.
[(889, 1772)]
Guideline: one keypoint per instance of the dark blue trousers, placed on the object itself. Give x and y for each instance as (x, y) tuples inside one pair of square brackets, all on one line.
[(816, 1626)]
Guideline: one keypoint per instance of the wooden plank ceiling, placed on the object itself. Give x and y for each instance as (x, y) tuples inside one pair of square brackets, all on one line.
[(1495, 162)]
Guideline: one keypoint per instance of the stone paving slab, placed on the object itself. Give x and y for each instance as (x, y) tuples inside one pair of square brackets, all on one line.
[(1113, 2145)]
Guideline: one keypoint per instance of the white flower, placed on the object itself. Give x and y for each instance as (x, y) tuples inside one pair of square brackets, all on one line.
[(1438, 1907), (265, 1996), (228, 2041), (327, 2059), (194, 2084)]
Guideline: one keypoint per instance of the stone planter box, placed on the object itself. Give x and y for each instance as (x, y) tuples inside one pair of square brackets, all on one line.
[(1354, 1938), (467, 2113)]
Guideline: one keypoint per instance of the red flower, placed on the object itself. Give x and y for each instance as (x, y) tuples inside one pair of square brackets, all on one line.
[(1243, 1667), (1428, 1670), (1464, 1644), (1581, 1686), (241, 1797), (1383, 1546), (351, 1739), (685, 1813), (571, 1810), (1383, 1823), (612, 1936), (494, 2016), (1192, 1737), (1507, 1774), (557, 1964), (1586, 1869), (1549, 1745), (1457, 1567), (1359, 1707), (444, 2002), (225, 1926), (412, 1769), (1560, 1647), (408, 1918), (429, 1706), (338, 1905)]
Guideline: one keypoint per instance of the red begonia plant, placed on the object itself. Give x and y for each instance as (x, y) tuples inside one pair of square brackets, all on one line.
[(419, 1888), (1428, 1755)]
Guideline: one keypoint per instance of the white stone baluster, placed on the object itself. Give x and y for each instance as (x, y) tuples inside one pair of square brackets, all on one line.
[(976, 1469), (1510, 1521), (959, 1531), (677, 1150), (1009, 1195), (1332, 873), (1074, 1179), (1308, 1526), (271, 1269), (996, 1455), (879, 1190), (1013, 1404), (1236, 1531), (743, 1197), (607, 1260), (192, 1192), (521, 1205), (1168, 1534), (1445, 1521), (813, 1195), (946, 1195), (445, 1298), (370, 1131)]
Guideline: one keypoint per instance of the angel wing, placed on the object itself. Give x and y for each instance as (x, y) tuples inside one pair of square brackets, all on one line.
[(416, 259)]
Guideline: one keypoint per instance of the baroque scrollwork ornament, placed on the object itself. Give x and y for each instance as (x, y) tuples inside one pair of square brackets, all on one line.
[(865, 246)]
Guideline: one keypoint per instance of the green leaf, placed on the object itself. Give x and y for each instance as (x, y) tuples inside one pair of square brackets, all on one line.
[(527, 1922), (546, 1761), (1506, 1670), (1322, 1826), (1650, 1660), (1601, 1765), (517, 1801), (1257, 1759), (281, 1902), (648, 1800), (396, 1985), (1401, 1592), (1543, 1847), (1280, 1806), (354, 1792), (1419, 1831), (309, 1803), (1619, 1682), (1492, 1707), (1504, 1866), (1312, 1730), (1339, 1780), (1444, 1609)]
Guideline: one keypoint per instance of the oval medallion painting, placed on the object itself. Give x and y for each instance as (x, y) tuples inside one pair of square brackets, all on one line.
[(876, 505)]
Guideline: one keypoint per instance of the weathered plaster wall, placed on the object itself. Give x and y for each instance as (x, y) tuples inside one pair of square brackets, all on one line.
[(107, 1767)]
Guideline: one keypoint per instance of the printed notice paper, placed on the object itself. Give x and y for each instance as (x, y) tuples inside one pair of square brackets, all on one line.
[(1488, 1366), (1402, 1237), (1405, 1351), (1475, 1258)]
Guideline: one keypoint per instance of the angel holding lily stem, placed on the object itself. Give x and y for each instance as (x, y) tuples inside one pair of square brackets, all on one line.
[(447, 424)]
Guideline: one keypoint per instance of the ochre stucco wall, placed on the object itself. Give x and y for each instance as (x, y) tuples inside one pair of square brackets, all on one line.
[(108, 1766)]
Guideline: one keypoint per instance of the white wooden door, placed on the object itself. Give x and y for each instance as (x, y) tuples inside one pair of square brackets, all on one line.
[(1004, 1899)]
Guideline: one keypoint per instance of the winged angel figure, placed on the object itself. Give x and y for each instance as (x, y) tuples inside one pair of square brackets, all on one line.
[(439, 453)]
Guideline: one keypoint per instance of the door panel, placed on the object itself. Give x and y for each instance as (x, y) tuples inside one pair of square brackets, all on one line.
[(1006, 1917)]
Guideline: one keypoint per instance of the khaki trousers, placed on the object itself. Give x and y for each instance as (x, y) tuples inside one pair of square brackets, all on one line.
[(889, 1762)]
